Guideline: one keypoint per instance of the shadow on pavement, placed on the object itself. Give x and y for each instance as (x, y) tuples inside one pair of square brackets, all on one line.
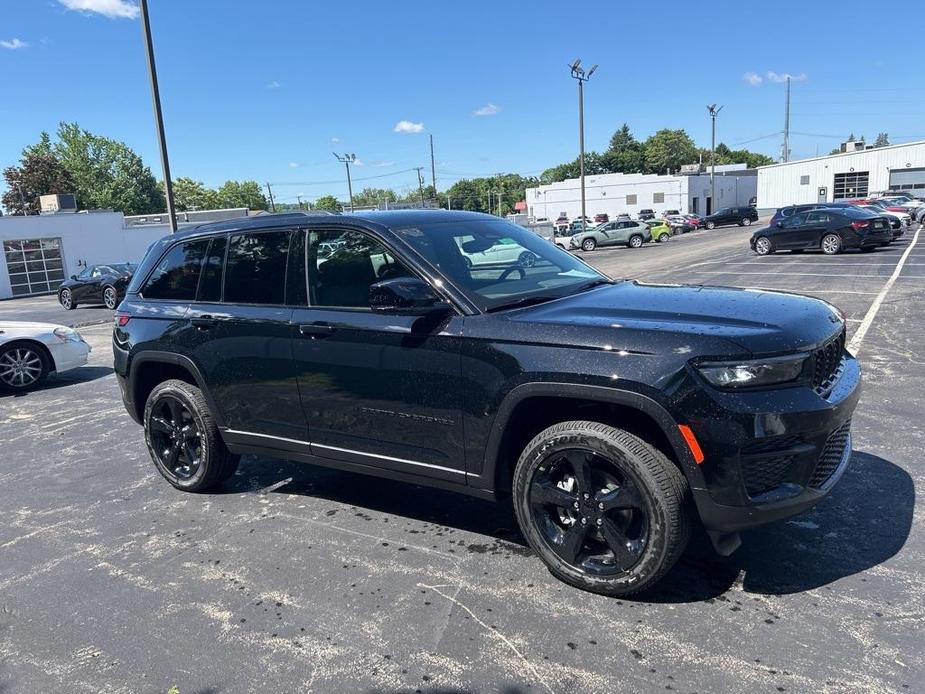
[(83, 374)]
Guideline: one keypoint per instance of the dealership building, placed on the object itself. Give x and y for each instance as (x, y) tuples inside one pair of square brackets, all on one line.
[(616, 193), (843, 176)]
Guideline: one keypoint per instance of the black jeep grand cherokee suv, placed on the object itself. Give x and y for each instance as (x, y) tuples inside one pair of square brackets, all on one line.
[(420, 346)]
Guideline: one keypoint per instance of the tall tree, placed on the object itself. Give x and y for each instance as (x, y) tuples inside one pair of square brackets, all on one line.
[(668, 150), (374, 196), (882, 140), (193, 195), (38, 173), (623, 141), (327, 202), (106, 173), (247, 194)]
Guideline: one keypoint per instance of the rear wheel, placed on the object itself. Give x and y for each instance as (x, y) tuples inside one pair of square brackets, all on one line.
[(110, 298), (23, 365), (66, 299), (831, 244), (763, 246), (183, 440), (710, 225), (588, 245), (746, 221), (602, 508), (663, 238), (635, 241)]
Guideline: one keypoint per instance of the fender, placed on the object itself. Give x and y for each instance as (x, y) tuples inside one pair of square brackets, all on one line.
[(604, 394), (175, 360)]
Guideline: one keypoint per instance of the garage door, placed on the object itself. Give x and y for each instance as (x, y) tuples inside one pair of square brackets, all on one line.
[(34, 265), (912, 180)]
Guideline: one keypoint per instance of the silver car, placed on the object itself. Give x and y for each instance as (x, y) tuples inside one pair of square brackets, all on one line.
[(622, 232)]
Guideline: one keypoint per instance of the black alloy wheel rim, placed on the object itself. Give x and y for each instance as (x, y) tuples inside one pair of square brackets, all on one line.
[(20, 367), (175, 437), (589, 512), (109, 297), (66, 298)]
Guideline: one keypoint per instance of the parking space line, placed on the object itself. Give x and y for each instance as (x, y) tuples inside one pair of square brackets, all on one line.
[(812, 291), (801, 274), (855, 345)]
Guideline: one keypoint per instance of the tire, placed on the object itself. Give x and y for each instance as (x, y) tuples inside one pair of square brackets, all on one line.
[(746, 222), (651, 528), (588, 245), (110, 297), (635, 241), (66, 299), (23, 366), (185, 444), (663, 238), (831, 244), (526, 259), (710, 225), (763, 246)]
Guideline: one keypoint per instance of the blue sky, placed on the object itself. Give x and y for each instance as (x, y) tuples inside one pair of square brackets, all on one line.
[(267, 90)]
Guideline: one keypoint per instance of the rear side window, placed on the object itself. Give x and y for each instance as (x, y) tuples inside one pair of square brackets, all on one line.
[(255, 272), (176, 276), (210, 285)]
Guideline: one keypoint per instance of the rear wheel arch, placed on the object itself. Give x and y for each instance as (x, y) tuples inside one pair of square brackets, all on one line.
[(148, 370), (530, 408)]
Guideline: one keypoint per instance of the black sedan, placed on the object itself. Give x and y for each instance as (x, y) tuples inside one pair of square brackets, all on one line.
[(97, 284), (743, 216), (831, 230)]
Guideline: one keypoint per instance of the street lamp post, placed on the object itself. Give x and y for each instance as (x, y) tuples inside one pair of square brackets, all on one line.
[(579, 74), (713, 113), (347, 160), (158, 118)]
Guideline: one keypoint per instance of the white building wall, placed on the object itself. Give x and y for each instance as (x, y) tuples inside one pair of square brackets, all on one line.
[(86, 239), (798, 182), (613, 194)]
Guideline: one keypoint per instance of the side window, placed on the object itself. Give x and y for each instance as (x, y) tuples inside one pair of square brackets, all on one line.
[(97, 272), (210, 283), (255, 272), (177, 274), (85, 274), (343, 277), (794, 221)]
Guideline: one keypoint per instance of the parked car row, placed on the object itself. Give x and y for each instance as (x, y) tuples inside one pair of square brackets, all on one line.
[(831, 228)]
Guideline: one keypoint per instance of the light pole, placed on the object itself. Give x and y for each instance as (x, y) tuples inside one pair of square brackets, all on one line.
[(347, 160), (713, 113), (579, 74), (158, 118)]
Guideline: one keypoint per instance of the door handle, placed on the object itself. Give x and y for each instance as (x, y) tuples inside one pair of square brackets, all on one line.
[(316, 330), (204, 322)]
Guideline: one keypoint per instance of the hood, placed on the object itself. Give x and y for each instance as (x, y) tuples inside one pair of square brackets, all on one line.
[(756, 320)]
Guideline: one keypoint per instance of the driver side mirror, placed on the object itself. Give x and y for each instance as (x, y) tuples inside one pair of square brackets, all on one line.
[(780, 225), (407, 296)]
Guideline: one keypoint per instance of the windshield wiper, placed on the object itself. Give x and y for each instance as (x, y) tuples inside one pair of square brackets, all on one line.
[(593, 283), (519, 303)]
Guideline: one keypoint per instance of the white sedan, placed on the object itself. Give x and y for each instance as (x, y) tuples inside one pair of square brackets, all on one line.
[(31, 351)]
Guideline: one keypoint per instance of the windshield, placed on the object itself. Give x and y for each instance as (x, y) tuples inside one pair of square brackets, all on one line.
[(496, 262), (125, 268)]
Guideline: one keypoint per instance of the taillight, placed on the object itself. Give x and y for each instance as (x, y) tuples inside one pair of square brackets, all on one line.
[(859, 225), (122, 319)]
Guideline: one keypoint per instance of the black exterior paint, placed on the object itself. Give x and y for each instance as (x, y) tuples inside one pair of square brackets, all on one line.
[(90, 290), (803, 230), (427, 399)]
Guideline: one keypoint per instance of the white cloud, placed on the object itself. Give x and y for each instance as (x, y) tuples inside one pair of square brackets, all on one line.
[(293, 165), (335, 140), (273, 85), (753, 78), (406, 126), (486, 110), (782, 77), (114, 9), (381, 164), (14, 44)]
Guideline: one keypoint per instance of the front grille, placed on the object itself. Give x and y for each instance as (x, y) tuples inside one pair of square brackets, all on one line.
[(828, 362), (831, 455), (764, 474)]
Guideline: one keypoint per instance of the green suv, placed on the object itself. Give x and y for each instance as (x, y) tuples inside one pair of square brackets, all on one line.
[(624, 232)]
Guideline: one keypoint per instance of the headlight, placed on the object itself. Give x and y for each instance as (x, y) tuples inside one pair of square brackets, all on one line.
[(68, 335), (752, 372)]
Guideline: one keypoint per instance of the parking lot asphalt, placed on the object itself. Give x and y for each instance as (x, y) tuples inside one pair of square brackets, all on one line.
[(46, 309), (298, 578)]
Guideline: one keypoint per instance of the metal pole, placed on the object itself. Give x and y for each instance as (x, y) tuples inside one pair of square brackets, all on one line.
[(433, 170), (420, 184), (787, 125), (349, 184), (713, 165), (158, 118), (581, 145), (270, 194)]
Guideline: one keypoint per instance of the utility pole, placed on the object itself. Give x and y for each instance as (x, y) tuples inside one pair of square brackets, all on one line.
[(270, 194), (299, 197), (347, 160), (713, 113), (158, 118), (787, 124), (420, 183), (433, 170), (579, 74)]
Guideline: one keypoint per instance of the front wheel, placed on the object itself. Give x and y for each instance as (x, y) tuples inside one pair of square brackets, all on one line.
[(763, 246), (588, 245), (22, 366), (831, 244), (663, 238), (183, 440), (635, 241), (710, 225), (746, 221), (110, 298), (602, 508), (66, 299)]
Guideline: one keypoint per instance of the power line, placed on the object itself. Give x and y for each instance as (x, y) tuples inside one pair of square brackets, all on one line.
[(323, 183)]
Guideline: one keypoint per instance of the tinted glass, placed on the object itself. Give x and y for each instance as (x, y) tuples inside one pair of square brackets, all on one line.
[(794, 221), (342, 276), (256, 269), (210, 284), (530, 267), (176, 275), (817, 218)]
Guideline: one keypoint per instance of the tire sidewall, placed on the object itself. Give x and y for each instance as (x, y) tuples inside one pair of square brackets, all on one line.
[(837, 250), (46, 366), (635, 241), (115, 294), (770, 247), (588, 245), (180, 392), (70, 295), (656, 551)]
